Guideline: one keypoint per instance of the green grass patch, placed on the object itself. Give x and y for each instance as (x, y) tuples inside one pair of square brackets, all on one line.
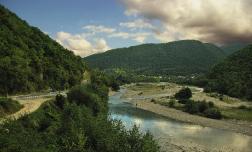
[(223, 98), (142, 87), (237, 113)]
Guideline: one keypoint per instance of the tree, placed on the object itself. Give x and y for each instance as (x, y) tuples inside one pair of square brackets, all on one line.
[(184, 93)]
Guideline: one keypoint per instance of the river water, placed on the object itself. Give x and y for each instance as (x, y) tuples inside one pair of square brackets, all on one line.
[(182, 134)]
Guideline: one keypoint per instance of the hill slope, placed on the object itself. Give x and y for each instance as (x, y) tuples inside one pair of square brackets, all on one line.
[(229, 49), (31, 60), (233, 76), (174, 58)]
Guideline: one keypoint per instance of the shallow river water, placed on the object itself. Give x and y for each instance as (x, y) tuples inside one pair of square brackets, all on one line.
[(208, 139)]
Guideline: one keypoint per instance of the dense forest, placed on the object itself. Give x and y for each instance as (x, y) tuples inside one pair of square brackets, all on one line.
[(175, 58), (233, 76), (78, 123), (31, 60)]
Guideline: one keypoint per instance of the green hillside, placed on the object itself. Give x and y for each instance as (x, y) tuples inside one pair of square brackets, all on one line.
[(231, 48), (31, 60), (233, 76), (174, 58)]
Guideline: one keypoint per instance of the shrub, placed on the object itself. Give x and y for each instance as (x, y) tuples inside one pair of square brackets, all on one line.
[(184, 93), (203, 106), (191, 107), (221, 97), (171, 103), (243, 107), (213, 113), (211, 104), (115, 86), (8, 106), (60, 101), (183, 101), (153, 100)]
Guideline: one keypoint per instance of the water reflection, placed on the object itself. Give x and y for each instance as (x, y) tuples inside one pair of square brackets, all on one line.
[(162, 127)]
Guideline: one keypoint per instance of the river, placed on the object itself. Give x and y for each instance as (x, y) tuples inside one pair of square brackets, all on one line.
[(177, 136)]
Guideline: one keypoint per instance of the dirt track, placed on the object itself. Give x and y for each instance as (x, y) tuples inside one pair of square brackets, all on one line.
[(30, 105)]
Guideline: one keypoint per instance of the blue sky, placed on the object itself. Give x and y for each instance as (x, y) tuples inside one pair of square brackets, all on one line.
[(92, 26), (53, 16)]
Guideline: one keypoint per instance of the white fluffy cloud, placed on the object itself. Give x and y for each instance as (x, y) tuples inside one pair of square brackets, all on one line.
[(138, 37), (219, 21), (79, 45), (136, 24), (98, 29)]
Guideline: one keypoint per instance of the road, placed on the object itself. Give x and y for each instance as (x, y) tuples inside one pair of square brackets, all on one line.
[(31, 103)]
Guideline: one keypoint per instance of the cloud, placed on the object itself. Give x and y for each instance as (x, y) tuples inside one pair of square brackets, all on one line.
[(136, 24), (79, 45), (123, 35), (138, 37), (98, 29), (101, 45), (217, 21)]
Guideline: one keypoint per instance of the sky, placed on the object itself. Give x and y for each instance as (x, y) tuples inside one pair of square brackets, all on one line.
[(92, 26)]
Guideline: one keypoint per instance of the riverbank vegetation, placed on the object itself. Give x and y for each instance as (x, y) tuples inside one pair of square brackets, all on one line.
[(202, 108), (8, 106), (238, 113), (77, 123)]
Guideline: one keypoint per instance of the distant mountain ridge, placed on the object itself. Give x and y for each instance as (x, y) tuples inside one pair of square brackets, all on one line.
[(231, 48), (173, 58), (31, 60)]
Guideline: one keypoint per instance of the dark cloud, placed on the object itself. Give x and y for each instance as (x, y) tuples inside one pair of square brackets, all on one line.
[(217, 21)]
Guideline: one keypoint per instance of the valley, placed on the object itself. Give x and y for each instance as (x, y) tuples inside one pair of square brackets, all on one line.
[(146, 80)]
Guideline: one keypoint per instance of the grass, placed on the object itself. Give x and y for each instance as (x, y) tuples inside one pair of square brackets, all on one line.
[(8, 106), (142, 87), (223, 98), (237, 113)]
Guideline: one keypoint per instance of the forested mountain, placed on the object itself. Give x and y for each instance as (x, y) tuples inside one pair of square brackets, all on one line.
[(174, 58), (231, 48), (31, 60), (233, 76)]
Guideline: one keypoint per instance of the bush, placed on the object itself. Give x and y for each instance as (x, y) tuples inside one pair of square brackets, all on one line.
[(213, 113), (60, 101), (115, 86), (242, 107), (184, 93), (8, 106), (203, 106), (211, 104), (183, 101), (153, 100), (171, 103), (191, 107)]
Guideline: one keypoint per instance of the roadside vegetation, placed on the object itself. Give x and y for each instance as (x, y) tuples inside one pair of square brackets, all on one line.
[(76, 123), (8, 106)]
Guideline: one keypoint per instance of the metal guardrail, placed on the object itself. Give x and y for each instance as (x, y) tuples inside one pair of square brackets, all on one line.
[(51, 94)]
